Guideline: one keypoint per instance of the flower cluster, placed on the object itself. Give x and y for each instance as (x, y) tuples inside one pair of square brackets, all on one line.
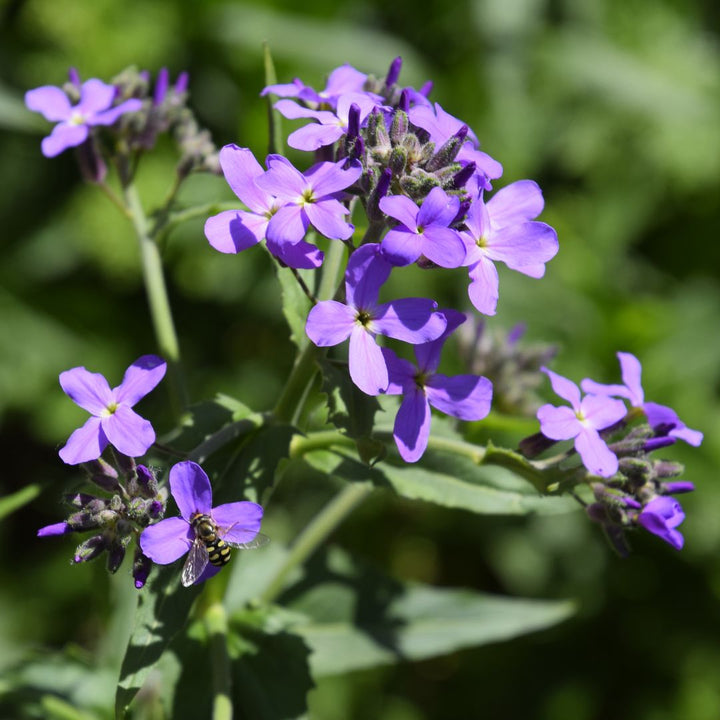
[(614, 443), (420, 176)]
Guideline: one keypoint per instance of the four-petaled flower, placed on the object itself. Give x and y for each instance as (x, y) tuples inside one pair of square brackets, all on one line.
[(660, 417), (661, 516), (503, 230), (171, 538), (466, 397), (360, 318), (582, 422), (75, 121), (113, 421)]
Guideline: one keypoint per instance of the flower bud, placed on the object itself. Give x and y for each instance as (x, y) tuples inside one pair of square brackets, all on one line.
[(678, 487), (533, 445), (102, 474), (667, 469), (116, 554), (398, 160), (393, 72), (141, 568), (448, 151), (399, 127), (90, 549)]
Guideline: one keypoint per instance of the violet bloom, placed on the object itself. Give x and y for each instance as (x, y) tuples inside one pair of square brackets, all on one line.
[(310, 198), (467, 397), (342, 80), (113, 421), (233, 231), (236, 523), (582, 422), (75, 121), (330, 126), (361, 318), (660, 517), (423, 231), (503, 230), (660, 417)]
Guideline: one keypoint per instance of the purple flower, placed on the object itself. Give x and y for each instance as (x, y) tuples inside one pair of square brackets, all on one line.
[(423, 231), (660, 517), (662, 418), (342, 80), (466, 397), (503, 230), (236, 523), (232, 231), (330, 126), (113, 421), (61, 528), (582, 422), (74, 122), (360, 318), (307, 199)]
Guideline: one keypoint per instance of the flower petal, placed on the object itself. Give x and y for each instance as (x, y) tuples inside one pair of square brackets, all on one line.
[(328, 178), (287, 225), (49, 100), (240, 168), (367, 364), (327, 217), (558, 423), (233, 231), (167, 540), (61, 528), (314, 136), (366, 272), (108, 117), (483, 290), (140, 378), (524, 245), (190, 486), (131, 434), (428, 354), (631, 373), (467, 397), (238, 522), (95, 96), (85, 444), (401, 246), (443, 246), (412, 320), (516, 203), (283, 179), (402, 208), (412, 425), (596, 455), (302, 255), (602, 411), (438, 208), (329, 323), (565, 388), (661, 415), (661, 516), (63, 137), (88, 390)]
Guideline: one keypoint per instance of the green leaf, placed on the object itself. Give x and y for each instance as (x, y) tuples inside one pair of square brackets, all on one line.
[(295, 303), (10, 503), (163, 609), (361, 618)]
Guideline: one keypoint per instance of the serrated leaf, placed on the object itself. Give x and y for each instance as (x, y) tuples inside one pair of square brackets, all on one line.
[(163, 608)]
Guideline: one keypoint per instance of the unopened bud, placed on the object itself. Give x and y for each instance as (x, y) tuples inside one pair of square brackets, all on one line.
[(533, 445), (90, 549)]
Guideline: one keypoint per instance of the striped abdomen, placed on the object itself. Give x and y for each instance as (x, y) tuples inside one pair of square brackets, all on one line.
[(206, 531)]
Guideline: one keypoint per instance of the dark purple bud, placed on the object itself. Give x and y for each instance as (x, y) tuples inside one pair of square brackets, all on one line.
[(91, 162), (125, 464), (161, 86), (393, 72), (74, 77), (597, 512), (146, 481), (102, 474), (426, 89), (678, 487), (141, 568), (461, 177), (448, 151), (144, 76), (182, 82), (116, 554), (667, 469), (374, 213), (658, 442), (156, 509), (404, 102), (353, 121), (90, 549), (516, 332), (630, 502), (532, 446), (61, 528), (79, 500)]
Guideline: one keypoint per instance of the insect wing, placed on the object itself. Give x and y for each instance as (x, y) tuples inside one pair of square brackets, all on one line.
[(258, 541), (196, 562)]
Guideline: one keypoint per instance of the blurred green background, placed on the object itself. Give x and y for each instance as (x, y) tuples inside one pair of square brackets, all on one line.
[(613, 106)]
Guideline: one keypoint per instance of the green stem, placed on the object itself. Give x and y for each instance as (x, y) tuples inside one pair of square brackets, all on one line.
[(216, 623), (316, 532), (157, 298)]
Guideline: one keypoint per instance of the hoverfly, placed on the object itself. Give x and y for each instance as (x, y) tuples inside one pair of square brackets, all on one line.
[(209, 547)]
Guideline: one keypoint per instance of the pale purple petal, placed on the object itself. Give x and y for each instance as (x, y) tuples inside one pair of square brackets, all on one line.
[(565, 388), (487, 166), (467, 397), (238, 522), (411, 320), (292, 111), (301, 255), (329, 323), (558, 423), (596, 388), (190, 486), (631, 373), (428, 354), (240, 169), (344, 79), (327, 218), (61, 528), (233, 231), (661, 415), (401, 372), (483, 290), (314, 136), (596, 455), (602, 411), (367, 365), (661, 516), (284, 89), (366, 272), (140, 378), (401, 247), (166, 541), (438, 208), (525, 244), (282, 179), (412, 425), (477, 220), (95, 96), (330, 178), (288, 224), (49, 100), (518, 202), (110, 116), (62, 137), (402, 208), (443, 246), (85, 444), (88, 390), (131, 434)]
